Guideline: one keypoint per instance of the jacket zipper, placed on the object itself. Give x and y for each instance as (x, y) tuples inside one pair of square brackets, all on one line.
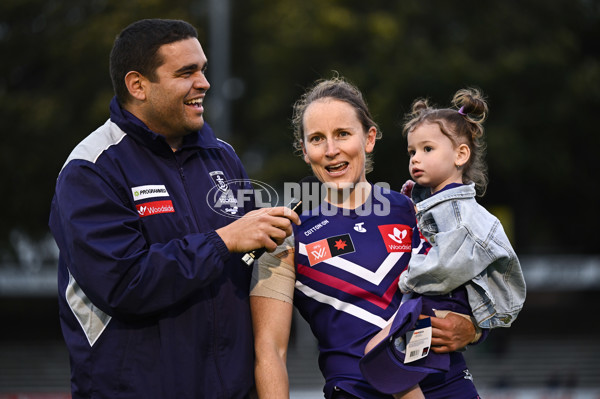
[(210, 286)]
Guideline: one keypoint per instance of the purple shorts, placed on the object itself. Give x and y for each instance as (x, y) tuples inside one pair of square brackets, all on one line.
[(455, 383)]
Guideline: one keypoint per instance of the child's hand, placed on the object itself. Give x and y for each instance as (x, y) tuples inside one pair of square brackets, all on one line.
[(407, 188), (402, 283)]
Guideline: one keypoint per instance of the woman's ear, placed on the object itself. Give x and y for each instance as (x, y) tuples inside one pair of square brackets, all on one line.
[(370, 139), (463, 153), (135, 84)]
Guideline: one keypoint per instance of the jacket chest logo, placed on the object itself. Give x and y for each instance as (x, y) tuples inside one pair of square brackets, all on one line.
[(221, 197), (218, 178)]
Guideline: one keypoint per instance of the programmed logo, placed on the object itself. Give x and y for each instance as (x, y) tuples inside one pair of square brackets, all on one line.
[(149, 191)]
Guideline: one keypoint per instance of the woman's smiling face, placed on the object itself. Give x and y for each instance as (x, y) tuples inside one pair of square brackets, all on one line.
[(335, 143)]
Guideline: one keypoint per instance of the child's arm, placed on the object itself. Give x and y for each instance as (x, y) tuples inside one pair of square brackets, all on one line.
[(454, 258)]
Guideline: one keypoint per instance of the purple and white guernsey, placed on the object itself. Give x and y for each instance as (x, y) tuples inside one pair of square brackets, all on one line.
[(347, 268)]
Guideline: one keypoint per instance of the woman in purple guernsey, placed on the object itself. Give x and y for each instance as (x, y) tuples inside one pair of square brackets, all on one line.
[(341, 267)]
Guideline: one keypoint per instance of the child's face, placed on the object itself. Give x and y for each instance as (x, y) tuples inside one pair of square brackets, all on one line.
[(434, 159)]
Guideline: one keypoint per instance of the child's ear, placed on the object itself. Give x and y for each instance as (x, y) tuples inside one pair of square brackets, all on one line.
[(463, 153)]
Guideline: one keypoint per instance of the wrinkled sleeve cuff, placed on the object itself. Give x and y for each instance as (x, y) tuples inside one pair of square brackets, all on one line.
[(481, 335), (219, 244), (478, 331), (404, 288)]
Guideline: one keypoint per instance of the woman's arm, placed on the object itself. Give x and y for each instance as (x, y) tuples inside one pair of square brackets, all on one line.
[(271, 297), (450, 332), (271, 319)]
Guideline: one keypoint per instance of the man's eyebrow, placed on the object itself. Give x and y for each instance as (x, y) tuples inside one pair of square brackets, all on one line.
[(189, 68)]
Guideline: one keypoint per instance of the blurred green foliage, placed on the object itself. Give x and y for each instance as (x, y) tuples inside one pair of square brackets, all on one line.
[(537, 61)]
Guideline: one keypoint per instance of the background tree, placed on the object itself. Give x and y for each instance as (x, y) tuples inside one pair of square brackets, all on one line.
[(54, 90), (538, 62)]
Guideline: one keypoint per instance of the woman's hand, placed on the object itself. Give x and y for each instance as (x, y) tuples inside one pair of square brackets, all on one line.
[(451, 333)]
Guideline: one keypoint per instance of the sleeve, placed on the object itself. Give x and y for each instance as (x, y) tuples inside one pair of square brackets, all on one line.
[(453, 259), (479, 338), (274, 275), (420, 246), (102, 243)]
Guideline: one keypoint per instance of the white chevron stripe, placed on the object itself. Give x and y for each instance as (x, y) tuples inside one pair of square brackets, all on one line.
[(359, 271), (342, 306)]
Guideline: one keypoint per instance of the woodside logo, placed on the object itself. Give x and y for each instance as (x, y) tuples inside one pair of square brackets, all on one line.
[(397, 237), (155, 208)]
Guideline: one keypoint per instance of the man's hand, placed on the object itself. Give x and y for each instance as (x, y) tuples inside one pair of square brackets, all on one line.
[(450, 333), (261, 228)]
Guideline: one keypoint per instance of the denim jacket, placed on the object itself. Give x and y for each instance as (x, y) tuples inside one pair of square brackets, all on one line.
[(469, 246)]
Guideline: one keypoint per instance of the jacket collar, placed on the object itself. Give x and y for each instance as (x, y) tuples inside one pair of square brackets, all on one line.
[(423, 199), (134, 127)]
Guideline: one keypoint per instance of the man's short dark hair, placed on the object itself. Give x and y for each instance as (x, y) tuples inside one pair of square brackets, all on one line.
[(136, 49)]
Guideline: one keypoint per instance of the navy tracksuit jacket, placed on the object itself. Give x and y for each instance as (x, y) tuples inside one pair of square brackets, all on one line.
[(152, 305)]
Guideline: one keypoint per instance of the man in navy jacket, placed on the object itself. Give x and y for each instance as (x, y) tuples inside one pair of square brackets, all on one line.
[(150, 226)]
